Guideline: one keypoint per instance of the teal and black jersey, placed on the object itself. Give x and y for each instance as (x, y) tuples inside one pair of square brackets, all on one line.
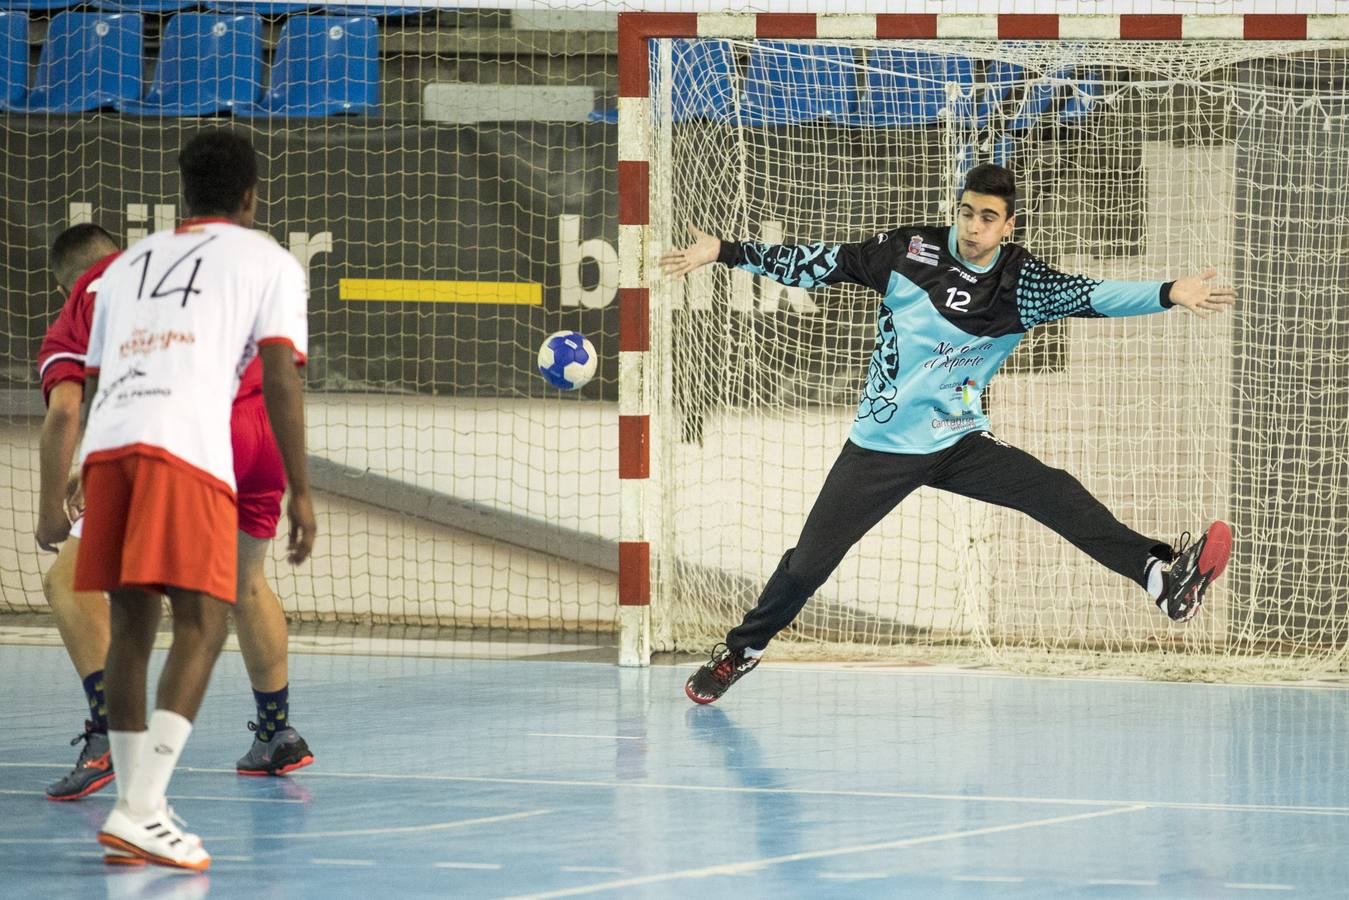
[(944, 326)]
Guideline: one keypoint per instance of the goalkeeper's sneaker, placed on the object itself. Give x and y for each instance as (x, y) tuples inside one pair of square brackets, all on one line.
[(281, 755), (93, 770), (1195, 567), (716, 676), (155, 838)]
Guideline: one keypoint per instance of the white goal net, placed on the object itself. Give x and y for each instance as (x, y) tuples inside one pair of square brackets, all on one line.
[(1135, 161)]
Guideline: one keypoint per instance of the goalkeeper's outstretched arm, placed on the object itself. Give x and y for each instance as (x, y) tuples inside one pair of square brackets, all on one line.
[(795, 265)]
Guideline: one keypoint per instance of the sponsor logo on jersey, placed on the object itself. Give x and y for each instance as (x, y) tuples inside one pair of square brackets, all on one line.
[(923, 252), (963, 274)]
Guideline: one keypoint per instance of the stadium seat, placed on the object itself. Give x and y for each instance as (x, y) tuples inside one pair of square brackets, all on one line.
[(373, 9), (906, 88), (1035, 95), (13, 56), (1086, 92), (323, 65), (701, 80), (260, 8), (90, 60), (143, 6), (207, 64), (791, 82), (37, 5), (608, 115)]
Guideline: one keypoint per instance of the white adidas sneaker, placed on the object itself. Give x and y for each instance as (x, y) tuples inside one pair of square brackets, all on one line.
[(155, 838)]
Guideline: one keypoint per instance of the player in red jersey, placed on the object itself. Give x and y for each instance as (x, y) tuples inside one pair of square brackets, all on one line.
[(82, 617)]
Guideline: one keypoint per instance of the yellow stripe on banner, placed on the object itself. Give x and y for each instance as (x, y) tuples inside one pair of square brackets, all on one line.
[(402, 291)]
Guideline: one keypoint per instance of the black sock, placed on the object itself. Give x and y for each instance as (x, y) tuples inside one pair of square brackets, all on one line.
[(98, 705), (273, 712)]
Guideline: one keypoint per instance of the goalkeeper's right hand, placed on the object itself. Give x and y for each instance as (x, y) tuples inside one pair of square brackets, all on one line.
[(704, 250)]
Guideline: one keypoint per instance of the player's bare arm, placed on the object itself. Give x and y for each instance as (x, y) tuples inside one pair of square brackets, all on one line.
[(1199, 295), (703, 251), (60, 434), (284, 395)]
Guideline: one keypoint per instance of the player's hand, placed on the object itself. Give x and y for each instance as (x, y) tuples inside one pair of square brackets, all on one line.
[(74, 497), (704, 249), (1200, 296), (52, 528), (300, 511)]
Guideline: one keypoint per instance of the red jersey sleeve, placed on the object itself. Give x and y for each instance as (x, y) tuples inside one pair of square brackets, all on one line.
[(61, 356)]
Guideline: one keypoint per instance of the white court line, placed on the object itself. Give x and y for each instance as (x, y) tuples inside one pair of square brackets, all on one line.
[(597, 737), (458, 865), (369, 832), (1123, 882), (175, 798), (1244, 886), (818, 792), (999, 879), (756, 864), (341, 862), (601, 869), (304, 835)]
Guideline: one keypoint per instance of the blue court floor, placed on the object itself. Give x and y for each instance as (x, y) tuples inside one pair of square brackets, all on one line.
[(511, 778)]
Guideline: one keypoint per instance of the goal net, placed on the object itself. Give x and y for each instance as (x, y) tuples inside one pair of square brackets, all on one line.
[(447, 227), (1135, 160)]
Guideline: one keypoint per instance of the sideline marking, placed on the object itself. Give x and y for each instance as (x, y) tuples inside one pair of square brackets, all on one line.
[(306, 835), (176, 797), (597, 737), (756, 864)]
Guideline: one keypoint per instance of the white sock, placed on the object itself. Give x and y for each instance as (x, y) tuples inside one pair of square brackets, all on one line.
[(751, 653), (126, 751), (1153, 571), (154, 765)]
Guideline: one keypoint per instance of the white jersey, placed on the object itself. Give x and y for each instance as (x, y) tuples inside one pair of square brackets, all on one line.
[(178, 318)]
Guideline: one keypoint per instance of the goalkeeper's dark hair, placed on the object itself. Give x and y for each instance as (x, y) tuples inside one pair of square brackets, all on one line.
[(218, 166), (995, 181), (76, 249)]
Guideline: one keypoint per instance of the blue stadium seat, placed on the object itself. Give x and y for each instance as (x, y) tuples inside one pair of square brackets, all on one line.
[(207, 64), (143, 6), (906, 88), (1086, 92), (701, 80), (13, 56), (792, 82), (90, 60), (609, 114), (1004, 79), (37, 5), (372, 9), (323, 65), (260, 8)]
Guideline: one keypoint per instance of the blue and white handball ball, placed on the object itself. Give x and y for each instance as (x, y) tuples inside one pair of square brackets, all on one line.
[(568, 360)]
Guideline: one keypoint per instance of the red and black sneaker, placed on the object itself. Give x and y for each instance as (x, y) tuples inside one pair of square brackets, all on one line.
[(1196, 566), (716, 676)]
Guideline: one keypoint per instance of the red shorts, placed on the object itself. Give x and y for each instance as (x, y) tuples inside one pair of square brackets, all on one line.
[(258, 469), (154, 522)]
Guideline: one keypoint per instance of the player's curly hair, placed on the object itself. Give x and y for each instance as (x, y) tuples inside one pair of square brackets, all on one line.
[(995, 181), (218, 166)]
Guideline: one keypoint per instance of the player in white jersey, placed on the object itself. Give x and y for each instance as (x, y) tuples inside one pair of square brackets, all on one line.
[(179, 316)]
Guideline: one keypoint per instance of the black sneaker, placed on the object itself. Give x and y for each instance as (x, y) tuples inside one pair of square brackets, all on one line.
[(93, 770), (283, 754), (1196, 566), (717, 675)]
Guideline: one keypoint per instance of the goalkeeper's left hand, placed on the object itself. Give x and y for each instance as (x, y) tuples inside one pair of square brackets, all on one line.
[(1197, 295), (704, 250)]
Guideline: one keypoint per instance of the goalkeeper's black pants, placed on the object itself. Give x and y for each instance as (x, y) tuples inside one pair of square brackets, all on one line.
[(865, 485)]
